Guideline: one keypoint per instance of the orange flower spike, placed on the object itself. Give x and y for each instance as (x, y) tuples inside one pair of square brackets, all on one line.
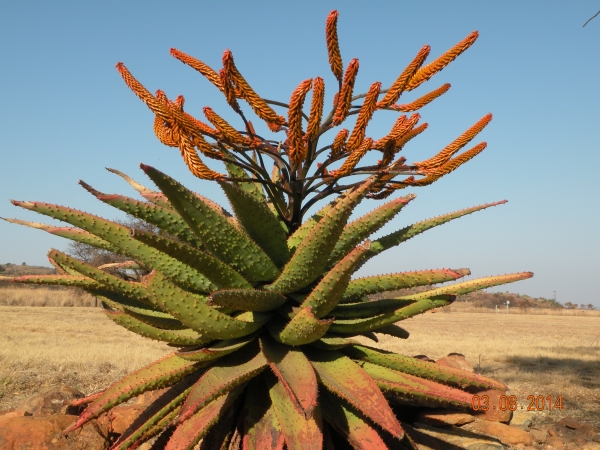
[(339, 141), (194, 63), (364, 116), (226, 130), (162, 130), (333, 47), (258, 105), (422, 101), (443, 156), (381, 143), (353, 159), (410, 135), (426, 72), (394, 92), (297, 146), (455, 163), (194, 163), (316, 109), (138, 89), (229, 90), (344, 99)]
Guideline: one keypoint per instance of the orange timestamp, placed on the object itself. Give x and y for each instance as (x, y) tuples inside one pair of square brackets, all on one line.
[(536, 403)]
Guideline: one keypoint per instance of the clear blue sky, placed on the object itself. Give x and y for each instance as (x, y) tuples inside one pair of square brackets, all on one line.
[(65, 114)]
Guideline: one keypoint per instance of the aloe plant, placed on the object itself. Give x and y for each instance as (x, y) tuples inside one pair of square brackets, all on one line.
[(260, 304)]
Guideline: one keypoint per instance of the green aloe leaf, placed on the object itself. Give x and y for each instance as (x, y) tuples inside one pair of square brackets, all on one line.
[(254, 189), (179, 337), (119, 236), (247, 299), (303, 230), (465, 287), (192, 310), (327, 294), (312, 254), (165, 218), (74, 234), (217, 234), (258, 221), (381, 283), (216, 350), (304, 328), (360, 229), (354, 326), (422, 369), (397, 237), (60, 280), (219, 273), (134, 290), (158, 198)]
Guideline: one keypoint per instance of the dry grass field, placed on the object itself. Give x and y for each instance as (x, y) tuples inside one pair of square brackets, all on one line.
[(534, 354)]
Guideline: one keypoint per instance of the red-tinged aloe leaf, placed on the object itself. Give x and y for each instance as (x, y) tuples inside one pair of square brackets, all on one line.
[(422, 369), (164, 372), (187, 434), (326, 295), (304, 328), (261, 426), (357, 231), (225, 375), (166, 219), (83, 400), (59, 280), (311, 256), (130, 289), (464, 287), (397, 237), (75, 234), (348, 380), (372, 324), (413, 388), (155, 197), (158, 414), (218, 235), (225, 434), (295, 373), (192, 311), (216, 350), (247, 299), (299, 433), (350, 423), (179, 337), (381, 283)]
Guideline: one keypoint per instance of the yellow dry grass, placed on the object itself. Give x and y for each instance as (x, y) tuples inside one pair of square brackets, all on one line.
[(534, 354), (31, 295), (44, 347)]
